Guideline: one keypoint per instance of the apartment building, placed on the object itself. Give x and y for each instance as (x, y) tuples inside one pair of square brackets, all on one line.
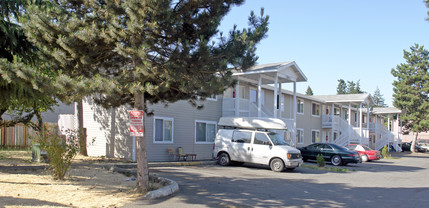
[(340, 119)]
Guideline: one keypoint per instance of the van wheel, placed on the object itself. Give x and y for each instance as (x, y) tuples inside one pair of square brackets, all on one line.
[(224, 159), (277, 165)]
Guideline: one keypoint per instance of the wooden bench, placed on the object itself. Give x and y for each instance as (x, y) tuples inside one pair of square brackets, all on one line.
[(186, 155)]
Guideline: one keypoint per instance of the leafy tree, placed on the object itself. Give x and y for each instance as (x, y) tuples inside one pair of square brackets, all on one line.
[(309, 91), (411, 90), (342, 87), (378, 98), (21, 98), (134, 52)]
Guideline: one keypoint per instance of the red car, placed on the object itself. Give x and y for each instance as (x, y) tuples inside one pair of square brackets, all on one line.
[(365, 152)]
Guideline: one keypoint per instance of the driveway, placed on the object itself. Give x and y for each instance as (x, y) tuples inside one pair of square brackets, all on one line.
[(402, 182)]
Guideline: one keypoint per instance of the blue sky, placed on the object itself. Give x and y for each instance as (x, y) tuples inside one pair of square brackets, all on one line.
[(337, 39)]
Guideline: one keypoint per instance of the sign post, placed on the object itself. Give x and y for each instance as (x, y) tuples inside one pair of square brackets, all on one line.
[(136, 127)]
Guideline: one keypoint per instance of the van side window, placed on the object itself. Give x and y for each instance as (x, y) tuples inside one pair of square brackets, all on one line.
[(261, 138), (242, 136)]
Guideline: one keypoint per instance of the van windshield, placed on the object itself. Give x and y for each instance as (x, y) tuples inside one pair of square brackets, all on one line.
[(276, 139)]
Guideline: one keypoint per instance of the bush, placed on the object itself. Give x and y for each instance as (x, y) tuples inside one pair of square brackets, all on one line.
[(320, 161), (60, 149), (385, 152)]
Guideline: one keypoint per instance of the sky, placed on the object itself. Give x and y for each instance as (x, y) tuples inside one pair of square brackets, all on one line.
[(337, 39)]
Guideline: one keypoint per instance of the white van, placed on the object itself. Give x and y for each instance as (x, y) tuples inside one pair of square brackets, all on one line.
[(252, 140)]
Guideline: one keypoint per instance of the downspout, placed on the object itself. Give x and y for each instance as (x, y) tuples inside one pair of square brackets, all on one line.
[(294, 114)]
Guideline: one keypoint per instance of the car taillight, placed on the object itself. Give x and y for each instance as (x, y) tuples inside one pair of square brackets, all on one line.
[(355, 155)]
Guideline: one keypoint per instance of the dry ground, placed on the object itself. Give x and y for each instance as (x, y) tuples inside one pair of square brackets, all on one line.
[(85, 186)]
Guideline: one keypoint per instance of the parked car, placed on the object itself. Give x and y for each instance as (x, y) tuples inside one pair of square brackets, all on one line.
[(254, 146), (406, 146), (336, 154), (365, 152)]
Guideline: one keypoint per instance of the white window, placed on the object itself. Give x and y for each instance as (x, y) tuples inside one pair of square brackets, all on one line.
[(300, 106), (163, 130), (315, 109), (300, 136), (205, 131), (356, 117), (315, 136)]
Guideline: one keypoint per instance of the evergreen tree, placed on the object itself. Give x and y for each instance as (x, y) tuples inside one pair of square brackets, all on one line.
[(134, 52), (378, 98), (21, 98), (411, 90), (342, 87), (309, 91)]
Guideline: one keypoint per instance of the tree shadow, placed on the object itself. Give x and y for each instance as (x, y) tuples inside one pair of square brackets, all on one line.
[(231, 191), (6, 201)]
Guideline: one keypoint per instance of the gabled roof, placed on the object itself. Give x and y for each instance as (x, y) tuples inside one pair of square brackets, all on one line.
[(347, 98), (286, 71), (388, 110)]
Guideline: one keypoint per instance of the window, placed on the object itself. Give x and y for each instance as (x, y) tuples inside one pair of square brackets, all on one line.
[(300, 136), (356, 117), (335, 136), (262, 139), (300, 106), (242, 136), (315, 136), (315, 109), (163, 130), (205, 131)]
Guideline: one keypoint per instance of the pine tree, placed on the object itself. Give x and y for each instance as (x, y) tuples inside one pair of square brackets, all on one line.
[(342, 87), (378, 98), (309, 91), (22, 97), (411, 90), (134, 52)]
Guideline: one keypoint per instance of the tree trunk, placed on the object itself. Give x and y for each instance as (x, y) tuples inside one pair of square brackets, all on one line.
[(413, 143), (81, 131), (142, 166)]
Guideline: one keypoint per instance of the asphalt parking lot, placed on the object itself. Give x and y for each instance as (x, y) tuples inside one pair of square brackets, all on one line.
[(401, 182)]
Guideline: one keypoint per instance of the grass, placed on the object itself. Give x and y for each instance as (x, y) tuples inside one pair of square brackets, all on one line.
[(331, 169)]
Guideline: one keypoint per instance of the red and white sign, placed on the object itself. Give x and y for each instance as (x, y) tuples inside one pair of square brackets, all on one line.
[(136, 122)]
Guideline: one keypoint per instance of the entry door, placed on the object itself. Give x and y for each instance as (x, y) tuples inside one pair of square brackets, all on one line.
[(241, 146), (261, 149)]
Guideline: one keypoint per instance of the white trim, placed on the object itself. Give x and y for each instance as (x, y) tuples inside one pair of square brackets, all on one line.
[(315, 130), (320, 108), (172, 129), (195, 130), (297, 133)]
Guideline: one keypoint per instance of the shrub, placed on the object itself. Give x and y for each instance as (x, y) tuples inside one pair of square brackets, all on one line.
[(385, 152), (60, 149), (320, 161)]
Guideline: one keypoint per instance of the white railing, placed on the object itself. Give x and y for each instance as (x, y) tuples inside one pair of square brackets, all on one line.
[(327, 121)]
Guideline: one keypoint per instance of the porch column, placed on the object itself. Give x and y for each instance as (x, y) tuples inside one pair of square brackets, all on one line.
[(237, 99), (276, 85), (294, 114), (350, 120), (280, 100), (367, 118), (360, 123), (333, 122), (376, 129), (397, 129), (388, 122), (259, 96)]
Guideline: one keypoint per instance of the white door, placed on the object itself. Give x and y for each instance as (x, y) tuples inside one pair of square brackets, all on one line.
[(241, 147), (261, 149)]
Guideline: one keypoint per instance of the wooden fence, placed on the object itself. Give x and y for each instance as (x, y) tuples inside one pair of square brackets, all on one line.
[(17, 136)]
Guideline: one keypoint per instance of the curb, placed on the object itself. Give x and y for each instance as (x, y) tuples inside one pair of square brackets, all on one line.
[(164, 191)]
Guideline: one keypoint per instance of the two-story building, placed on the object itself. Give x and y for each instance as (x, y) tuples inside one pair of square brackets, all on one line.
[(260, 92)]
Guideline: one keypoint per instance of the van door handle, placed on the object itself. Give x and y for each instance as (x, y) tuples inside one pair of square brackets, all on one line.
[(248, 149)]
